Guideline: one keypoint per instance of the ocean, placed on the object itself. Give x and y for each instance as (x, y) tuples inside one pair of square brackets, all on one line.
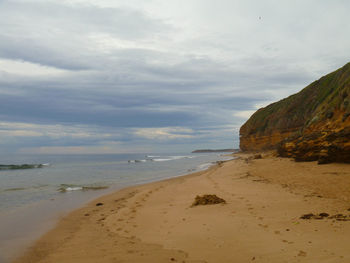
[(33, 200)]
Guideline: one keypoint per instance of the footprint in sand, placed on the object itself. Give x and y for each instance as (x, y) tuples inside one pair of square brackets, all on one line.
[(302, 253), (264, 226)]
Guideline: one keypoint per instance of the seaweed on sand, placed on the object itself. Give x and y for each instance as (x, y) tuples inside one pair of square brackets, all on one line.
[(207, 200)]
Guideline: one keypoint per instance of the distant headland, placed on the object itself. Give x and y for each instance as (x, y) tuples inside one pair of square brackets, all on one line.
[(214, 150)]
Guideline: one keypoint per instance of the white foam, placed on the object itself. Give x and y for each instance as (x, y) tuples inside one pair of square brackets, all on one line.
[(205, 166), (76, 188), (137, 161), (172, 158), (179, 157)]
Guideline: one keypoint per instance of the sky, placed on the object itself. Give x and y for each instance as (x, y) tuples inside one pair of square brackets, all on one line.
[(114, 76)]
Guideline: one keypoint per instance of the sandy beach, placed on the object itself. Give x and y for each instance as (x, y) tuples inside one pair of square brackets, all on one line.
[(260, 221)]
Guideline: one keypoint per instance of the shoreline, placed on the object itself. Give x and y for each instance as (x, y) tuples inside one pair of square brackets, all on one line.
[(121, 194), (155, 222), (41, 216)]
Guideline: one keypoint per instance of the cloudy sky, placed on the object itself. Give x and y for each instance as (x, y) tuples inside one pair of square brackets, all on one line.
[(112, 76)]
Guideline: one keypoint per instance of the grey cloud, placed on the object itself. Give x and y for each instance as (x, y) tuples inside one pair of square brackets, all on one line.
[(133, 68), (58, 35), (58, 19)]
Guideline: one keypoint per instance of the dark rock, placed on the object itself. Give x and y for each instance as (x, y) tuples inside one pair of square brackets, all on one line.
[(99, 204), (19, 166), (324, 159), (257, 156)]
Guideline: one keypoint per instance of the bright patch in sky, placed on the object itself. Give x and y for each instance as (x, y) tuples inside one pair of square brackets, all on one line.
[(244, 114), (165, 133), (27, 68)]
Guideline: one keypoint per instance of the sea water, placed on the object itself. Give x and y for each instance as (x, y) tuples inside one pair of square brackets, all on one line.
[(32, 200)]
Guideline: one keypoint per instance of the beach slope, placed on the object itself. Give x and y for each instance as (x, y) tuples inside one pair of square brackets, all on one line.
[(260, 221)]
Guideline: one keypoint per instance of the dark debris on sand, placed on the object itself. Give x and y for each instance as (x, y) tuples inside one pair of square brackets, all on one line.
[(338, 217), (208, 200)]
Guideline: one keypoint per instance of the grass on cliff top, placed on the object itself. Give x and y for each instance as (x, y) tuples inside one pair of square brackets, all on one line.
[(314, 103)]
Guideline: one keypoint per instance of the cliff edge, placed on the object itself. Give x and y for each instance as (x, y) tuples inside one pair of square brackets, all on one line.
[(311, 125)]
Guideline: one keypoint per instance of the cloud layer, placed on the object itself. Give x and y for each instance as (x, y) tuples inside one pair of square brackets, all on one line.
[(111, 76)]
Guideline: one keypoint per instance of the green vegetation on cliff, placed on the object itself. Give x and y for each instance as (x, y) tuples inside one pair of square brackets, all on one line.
[(315, 103)]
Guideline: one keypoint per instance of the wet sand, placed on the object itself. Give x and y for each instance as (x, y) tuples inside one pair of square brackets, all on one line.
[(260, 221)]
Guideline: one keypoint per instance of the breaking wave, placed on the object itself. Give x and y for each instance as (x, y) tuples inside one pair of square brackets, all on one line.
[(69, 187), (157, 158)]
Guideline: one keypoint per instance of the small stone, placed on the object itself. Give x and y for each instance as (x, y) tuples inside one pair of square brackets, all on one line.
[(257, 156), (99, 204)]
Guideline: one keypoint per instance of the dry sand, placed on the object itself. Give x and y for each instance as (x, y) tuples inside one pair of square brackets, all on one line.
[(260, 221)]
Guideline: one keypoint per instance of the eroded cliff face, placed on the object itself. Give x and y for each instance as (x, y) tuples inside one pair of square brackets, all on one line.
[(313, 124)]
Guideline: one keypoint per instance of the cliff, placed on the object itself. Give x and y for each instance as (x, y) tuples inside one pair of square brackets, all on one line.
[(313, 124)]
